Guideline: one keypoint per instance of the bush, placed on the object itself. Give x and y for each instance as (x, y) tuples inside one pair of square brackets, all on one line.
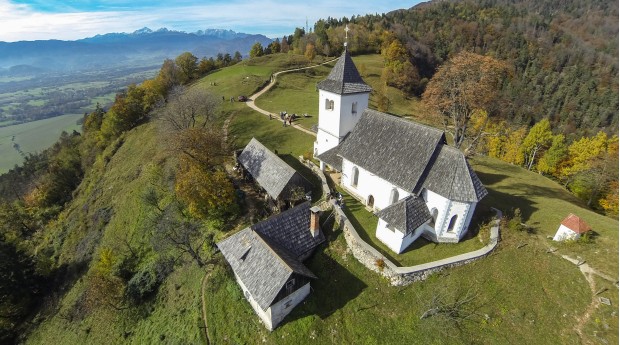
[(515, 222), (145, 282)]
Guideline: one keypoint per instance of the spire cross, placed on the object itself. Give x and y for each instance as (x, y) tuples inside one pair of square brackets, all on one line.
[(346, 34)]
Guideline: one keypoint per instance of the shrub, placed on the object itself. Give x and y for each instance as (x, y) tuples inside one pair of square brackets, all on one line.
[(145, 282), (380, 263)]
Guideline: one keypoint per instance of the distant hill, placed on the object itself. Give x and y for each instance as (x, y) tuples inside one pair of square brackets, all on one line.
[(139, 48)]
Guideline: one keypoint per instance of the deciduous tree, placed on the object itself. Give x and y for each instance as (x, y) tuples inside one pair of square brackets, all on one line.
[(256, 50), (310, 51), (188, 64), (466, 83), (551, 160), (194, 107), (538, 138)]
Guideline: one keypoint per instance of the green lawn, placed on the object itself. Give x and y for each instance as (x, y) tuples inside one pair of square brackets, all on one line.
[(32, 137), (534, 302), (544, 204), (421, 251), (296, 93)]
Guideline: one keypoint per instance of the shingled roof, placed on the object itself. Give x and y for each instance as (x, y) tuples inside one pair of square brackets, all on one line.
[(395, 149), (291, 230), (272, 173), (406, 214), (344, 78), (451, 176), (331, 157), (262, 265)]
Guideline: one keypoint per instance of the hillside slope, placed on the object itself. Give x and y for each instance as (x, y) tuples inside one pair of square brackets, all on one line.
[(522, 293)]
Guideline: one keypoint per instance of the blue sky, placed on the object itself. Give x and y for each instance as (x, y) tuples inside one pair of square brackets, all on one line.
[(74, 19)]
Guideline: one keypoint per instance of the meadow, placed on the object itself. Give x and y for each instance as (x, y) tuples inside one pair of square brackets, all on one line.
[(33, 137)]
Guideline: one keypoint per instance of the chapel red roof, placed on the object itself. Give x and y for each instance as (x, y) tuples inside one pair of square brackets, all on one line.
[(576, 224)]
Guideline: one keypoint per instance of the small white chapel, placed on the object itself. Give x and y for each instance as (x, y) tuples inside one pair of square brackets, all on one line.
[(405, 172)]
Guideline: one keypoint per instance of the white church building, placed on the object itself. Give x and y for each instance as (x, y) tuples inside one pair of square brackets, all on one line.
[(403, 171)]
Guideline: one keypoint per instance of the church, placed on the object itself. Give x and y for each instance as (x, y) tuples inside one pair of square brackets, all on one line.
[(403, 171)]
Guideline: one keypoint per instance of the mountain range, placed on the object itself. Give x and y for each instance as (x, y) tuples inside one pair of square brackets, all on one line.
[(139, 48)]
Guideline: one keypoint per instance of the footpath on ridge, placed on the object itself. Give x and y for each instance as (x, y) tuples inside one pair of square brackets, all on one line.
[(250, 102)]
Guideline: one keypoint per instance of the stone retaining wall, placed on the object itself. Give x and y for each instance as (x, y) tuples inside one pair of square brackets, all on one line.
[(368, 256), (398, 276)]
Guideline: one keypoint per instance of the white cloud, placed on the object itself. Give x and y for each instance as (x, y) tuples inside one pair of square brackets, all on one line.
[(273, 18)]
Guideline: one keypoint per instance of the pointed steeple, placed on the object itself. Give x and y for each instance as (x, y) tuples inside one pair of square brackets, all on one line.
[(344, 78)]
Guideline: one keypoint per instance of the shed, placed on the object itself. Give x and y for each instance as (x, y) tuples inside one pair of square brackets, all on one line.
[(276, 177), (571, 228)]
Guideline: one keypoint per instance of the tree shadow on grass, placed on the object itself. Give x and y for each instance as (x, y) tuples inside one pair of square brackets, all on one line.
[(508, 202), (489, 178)]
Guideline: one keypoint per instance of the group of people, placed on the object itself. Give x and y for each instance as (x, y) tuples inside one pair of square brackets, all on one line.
[(286, 118)]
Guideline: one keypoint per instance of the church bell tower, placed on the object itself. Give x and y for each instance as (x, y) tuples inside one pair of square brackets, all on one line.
[(343, 96)]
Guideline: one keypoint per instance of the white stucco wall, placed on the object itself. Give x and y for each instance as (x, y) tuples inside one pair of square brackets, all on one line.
[(564, 234), (335, 123), (324, 141), (446, 210), (277, 312), (369, 184), (396, 240)]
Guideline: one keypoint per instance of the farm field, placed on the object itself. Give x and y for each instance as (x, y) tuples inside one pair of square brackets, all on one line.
[(32, 137), (30, 98)]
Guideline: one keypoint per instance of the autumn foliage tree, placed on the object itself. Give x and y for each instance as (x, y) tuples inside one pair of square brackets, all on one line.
[(466, 83), (538, 138)]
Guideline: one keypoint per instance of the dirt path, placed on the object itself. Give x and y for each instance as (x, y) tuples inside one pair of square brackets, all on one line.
[(250, 103), (588, 272), (203, 301)]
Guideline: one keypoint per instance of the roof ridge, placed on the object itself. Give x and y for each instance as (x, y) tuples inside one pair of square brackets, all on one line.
[(402, 119), (260, 236), (470, 180), (282, 214), (266, 240)]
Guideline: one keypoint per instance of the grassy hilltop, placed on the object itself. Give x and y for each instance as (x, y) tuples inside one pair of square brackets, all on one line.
[(523, 293)]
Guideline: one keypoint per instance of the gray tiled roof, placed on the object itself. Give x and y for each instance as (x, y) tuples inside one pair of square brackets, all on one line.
[(451, 176), (262, 266), (291, 230), (406, 214), (395, 149), (344, 78), (271, 172), (331, 158)]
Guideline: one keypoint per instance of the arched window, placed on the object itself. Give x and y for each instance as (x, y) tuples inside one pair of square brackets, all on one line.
[(327, 104), (394, 196), (371, 201), (354, 177), (354, 108), (452, 223), (331, 105), (434, 214)]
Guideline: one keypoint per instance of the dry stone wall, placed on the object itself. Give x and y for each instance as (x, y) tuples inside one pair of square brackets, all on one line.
[(375, 261)]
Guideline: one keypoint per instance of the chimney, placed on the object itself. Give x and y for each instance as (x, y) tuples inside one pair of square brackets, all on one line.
[(315, 228)]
